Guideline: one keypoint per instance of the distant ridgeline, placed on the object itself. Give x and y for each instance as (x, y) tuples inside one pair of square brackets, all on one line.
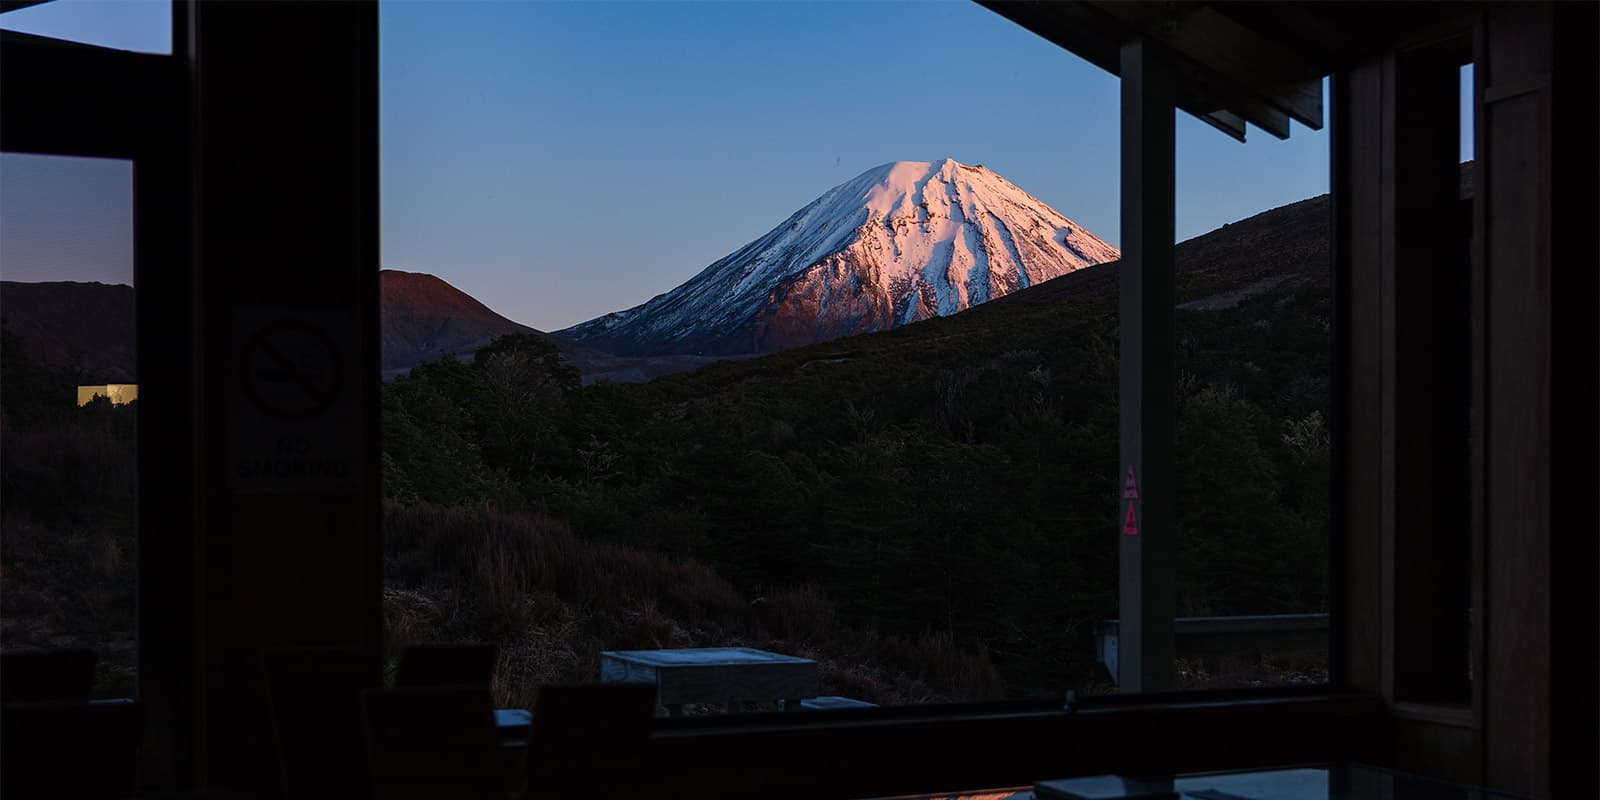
[(86, 329)]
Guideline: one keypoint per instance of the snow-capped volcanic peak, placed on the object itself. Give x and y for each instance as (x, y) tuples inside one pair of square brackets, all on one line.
[(898, 243)]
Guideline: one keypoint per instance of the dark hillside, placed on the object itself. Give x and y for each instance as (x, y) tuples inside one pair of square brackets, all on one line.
[(84, 328), (1287, 246), (957, 476)]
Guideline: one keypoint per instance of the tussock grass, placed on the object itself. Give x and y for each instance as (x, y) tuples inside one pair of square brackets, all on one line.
[(551, 601)]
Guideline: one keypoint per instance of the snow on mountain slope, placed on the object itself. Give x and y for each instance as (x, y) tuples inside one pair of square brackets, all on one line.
[(899, 243)]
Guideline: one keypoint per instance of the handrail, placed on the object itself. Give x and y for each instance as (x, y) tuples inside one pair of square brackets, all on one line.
[(1197, 636)]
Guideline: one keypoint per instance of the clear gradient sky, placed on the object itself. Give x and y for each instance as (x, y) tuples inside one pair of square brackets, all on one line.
[(559, 160), (563, 160)]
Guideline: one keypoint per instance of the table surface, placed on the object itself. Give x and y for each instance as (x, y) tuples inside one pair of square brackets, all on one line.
[(1311, 782), (512, 718), (704, 657)]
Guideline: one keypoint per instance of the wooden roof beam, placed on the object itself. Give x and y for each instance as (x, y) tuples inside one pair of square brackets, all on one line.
[(1225, 121), (1094, 36), (13, 5), (1260, 115), (1237, 55), (1202, 97)]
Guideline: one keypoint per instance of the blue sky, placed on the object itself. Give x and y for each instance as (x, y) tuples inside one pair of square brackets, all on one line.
[(562, 160), (142, 25), (66, 219), (559, 160)]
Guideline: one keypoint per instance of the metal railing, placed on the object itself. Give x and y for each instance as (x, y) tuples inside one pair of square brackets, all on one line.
[(1214, 636)]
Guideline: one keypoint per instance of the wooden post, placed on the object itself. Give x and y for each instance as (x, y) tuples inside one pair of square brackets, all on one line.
[(288, 552), (1146, 521)]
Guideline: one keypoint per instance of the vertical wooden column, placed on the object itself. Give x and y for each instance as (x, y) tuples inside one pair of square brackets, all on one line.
[(1146, 521), (285, 159), (1537, 140)]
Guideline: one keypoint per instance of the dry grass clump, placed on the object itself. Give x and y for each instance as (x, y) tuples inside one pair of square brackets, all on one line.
[(69, 540), (1254, 670), (551, 601)]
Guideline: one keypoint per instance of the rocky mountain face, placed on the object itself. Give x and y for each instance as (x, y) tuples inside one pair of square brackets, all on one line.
[(899, 243)]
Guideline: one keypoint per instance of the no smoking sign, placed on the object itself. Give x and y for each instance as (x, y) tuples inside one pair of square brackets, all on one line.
[(294, 416), (292, 370)]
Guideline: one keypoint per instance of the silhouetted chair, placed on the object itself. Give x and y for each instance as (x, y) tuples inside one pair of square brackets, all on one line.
[(587, 740), (432, 742), (47, 676), (447, 665), (69, 750), (315, 694)]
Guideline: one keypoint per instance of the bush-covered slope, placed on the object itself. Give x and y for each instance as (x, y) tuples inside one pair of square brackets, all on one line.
[(955, 477)]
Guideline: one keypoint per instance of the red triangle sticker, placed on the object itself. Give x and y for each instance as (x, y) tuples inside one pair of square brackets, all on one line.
[(1130, 524), (1130, 489)]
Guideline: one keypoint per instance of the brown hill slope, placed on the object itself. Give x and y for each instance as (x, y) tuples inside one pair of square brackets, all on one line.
[(423, 318), (89, 326)]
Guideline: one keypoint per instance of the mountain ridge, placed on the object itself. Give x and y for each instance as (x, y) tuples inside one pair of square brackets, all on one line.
[(423, 317), (87, 326)]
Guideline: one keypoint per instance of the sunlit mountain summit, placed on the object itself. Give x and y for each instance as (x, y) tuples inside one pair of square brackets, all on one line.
[(899, 243)]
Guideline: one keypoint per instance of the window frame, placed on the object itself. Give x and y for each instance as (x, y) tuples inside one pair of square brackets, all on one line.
[(133, 105), (734, 727), (71, 99), (1046, 739)]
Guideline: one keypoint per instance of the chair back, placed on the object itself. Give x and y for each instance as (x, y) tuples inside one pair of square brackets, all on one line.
[(315, 694), (70, 750), (447, 665), (47, 676), (589, 739), (432, 742)]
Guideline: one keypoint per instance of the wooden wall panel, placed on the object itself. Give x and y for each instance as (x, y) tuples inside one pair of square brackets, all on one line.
[(1540, 254), (1517, 427), (1447, 749), (1518, 441)]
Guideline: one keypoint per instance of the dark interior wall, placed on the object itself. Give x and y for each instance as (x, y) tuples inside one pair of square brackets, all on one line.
[(1575, 289), (285, 127), (1527, 722), (1538, 139), (285, 164)]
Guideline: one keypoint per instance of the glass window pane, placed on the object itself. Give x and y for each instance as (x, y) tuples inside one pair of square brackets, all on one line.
[(1253, 402), (926, 515), (752, 405), (143, 26), (68, 469)]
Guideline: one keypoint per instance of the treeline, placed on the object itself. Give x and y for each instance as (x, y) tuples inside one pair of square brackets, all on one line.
[(957, 477)]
